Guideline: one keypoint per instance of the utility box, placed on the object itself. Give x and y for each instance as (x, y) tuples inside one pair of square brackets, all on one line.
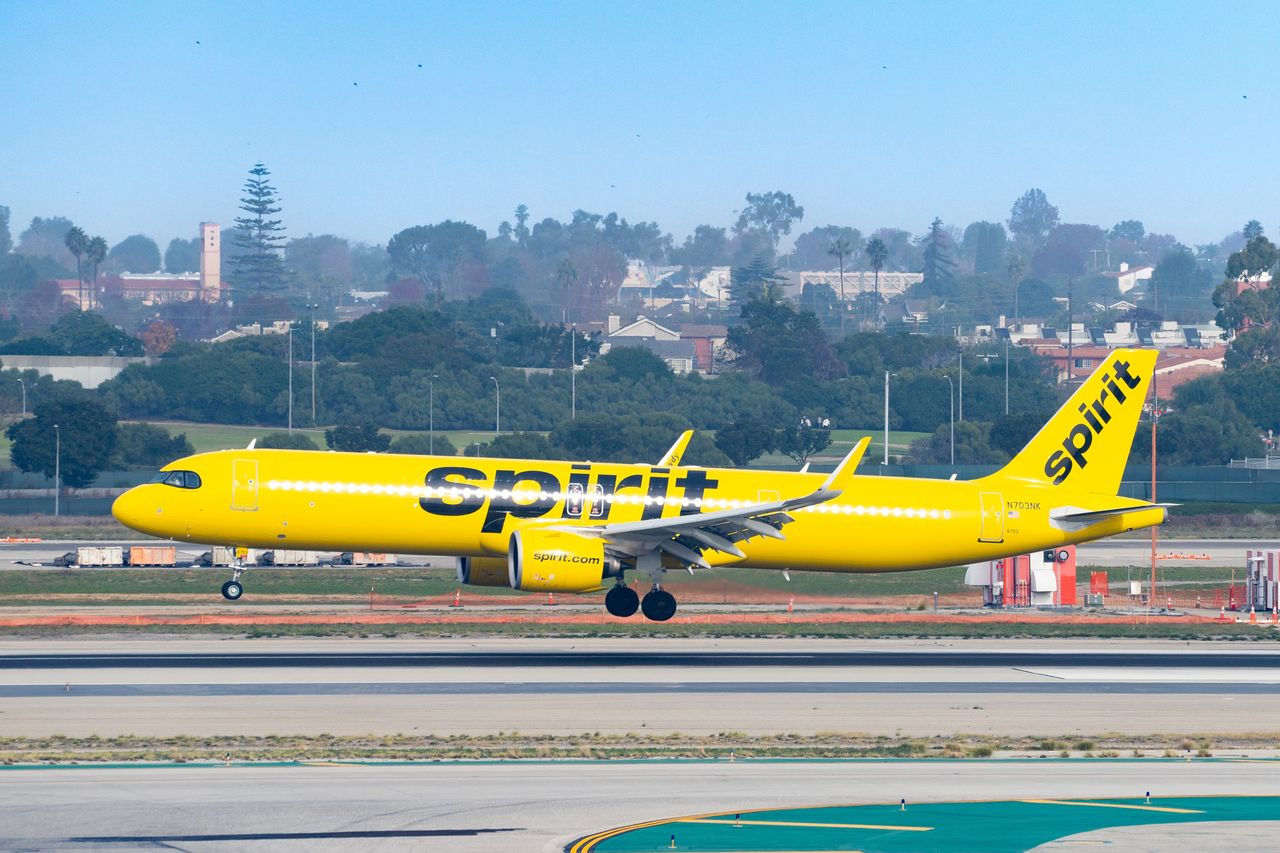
[(153, 555), (366, 558), (1262, 586), (1040, 579)]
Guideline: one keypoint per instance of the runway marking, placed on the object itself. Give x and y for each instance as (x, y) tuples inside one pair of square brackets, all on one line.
[(1113, 806), (812, 825)]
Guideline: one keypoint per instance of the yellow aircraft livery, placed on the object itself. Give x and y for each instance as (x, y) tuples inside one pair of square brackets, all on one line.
[(582, 526)]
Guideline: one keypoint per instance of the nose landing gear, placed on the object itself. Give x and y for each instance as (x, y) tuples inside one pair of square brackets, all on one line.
[(233, 589)]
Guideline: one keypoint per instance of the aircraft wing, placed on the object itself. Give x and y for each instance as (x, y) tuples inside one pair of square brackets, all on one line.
[(686, 536)]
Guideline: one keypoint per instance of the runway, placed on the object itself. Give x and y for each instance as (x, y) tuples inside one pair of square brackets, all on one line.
[(528, 807), (352, 687)]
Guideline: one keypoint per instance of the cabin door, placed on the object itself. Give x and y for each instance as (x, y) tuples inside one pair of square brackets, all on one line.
[(244, 484)]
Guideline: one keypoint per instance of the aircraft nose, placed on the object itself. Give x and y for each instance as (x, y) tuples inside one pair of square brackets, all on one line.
[(131, 508)]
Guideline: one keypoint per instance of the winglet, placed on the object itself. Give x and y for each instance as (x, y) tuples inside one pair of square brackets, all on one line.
[(252, 442), (673, 456), (847, 465)]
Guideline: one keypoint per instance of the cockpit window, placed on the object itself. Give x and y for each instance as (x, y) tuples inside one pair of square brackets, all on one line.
[(180, 479)]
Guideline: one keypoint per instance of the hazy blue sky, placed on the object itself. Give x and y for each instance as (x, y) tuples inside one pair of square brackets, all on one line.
[(144, 117)]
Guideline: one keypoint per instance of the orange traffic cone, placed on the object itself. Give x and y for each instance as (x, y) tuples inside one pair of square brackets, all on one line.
[(791, 605), (457, 597), (1253, 617), (1222, 614), (551, 598), (1275, 616)]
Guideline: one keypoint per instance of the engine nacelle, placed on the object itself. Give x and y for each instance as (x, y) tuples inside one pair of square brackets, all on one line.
[(557, 561), (484, 571)]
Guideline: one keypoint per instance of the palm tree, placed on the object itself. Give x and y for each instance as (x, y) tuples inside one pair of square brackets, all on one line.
[(566, 277), (1016, 267), (77, 242), (96, 253), (877, 254), (840, 247)]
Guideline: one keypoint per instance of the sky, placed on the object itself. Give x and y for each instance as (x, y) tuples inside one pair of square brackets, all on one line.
[(138, 117)]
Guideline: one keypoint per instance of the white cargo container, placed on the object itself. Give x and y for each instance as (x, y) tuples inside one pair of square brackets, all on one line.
[(285, 557), (100, 555)]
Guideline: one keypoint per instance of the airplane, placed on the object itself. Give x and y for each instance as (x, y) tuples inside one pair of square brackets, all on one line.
[(579, 527)]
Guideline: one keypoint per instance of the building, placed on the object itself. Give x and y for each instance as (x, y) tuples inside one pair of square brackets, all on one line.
[(856, 282), (708, 341), (1127, 277), (680, 355), (159, 288)]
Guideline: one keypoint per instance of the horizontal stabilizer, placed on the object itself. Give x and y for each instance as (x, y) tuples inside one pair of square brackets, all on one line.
[(1091, 516)]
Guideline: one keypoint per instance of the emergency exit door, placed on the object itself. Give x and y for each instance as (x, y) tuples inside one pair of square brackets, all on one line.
[(992, 517), (244, 484)]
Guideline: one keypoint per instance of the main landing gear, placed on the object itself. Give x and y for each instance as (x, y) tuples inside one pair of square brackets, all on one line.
[(233, 589), (658, 605), (622, 601)]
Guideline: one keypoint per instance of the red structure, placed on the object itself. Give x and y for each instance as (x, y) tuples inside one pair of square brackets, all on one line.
[(1039, 579)]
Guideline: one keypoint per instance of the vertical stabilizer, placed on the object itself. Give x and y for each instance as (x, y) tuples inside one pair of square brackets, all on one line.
[(1086, 444)]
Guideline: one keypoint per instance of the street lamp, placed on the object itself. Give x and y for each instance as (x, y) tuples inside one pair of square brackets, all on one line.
[(291, 376), (497, 407), (431, 414), (57, 469), (311, 307), (24, 396), (951, 411), (573, 374), (960, 363)]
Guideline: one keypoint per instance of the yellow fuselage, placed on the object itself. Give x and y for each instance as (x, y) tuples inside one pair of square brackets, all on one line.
[(470, 507)]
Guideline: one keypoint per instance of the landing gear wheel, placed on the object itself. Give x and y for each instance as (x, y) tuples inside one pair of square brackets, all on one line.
[(232, 590), (659, 605), (622, 601)]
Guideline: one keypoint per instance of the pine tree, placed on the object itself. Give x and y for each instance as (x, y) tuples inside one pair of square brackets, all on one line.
[(259, 268), (937, 258)]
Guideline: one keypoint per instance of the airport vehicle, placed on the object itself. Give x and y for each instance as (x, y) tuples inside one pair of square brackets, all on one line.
[(582, 527)]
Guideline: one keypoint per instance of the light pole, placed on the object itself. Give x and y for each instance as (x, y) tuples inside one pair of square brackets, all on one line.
[(57, 469), (1006, 376), (497, 407), (311, 307), (951, 412), (24, 396), (290, 376), (573, 374), (886, 418), (431, 415), (960, 362)]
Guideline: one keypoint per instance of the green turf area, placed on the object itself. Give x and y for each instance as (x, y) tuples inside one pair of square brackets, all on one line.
[(965, 826)]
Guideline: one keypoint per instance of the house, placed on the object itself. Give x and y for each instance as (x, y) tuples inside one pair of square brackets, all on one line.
[(680, 355), (1127, 277), (659, 285), (708, 340), (1175, 365), (856, 282)]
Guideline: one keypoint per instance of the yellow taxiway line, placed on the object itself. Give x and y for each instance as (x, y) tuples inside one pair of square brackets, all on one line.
[(810, 825), (1113, 806)]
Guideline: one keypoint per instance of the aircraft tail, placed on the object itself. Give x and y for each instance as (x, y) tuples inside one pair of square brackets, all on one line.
[(1086, 444)]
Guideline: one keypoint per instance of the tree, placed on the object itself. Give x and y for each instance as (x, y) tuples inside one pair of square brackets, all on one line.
[(707, 246), (1252, 229), (813, 248), (841, 247), (986, 243), (287, 441), (522, 445), (86, 434), (972, 443), (89, 333), (1241, 304), (182, 255), (1181, 286), (1016, 268), (356, 438), (96, 253), (522, 223), (1032, 218), (77, 242), (430, 253), (1129, 229), (6, 238), (258, 267), (937, 259), (801, 442), (779, 345), (424, 445), (877, 254), (158, 337), (746, 440), (148, 446), (771, 213), (757, 280), (46, 238), (137, 253)]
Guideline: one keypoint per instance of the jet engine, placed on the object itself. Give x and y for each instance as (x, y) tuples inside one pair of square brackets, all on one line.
[(483, 571), (558, 561)]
